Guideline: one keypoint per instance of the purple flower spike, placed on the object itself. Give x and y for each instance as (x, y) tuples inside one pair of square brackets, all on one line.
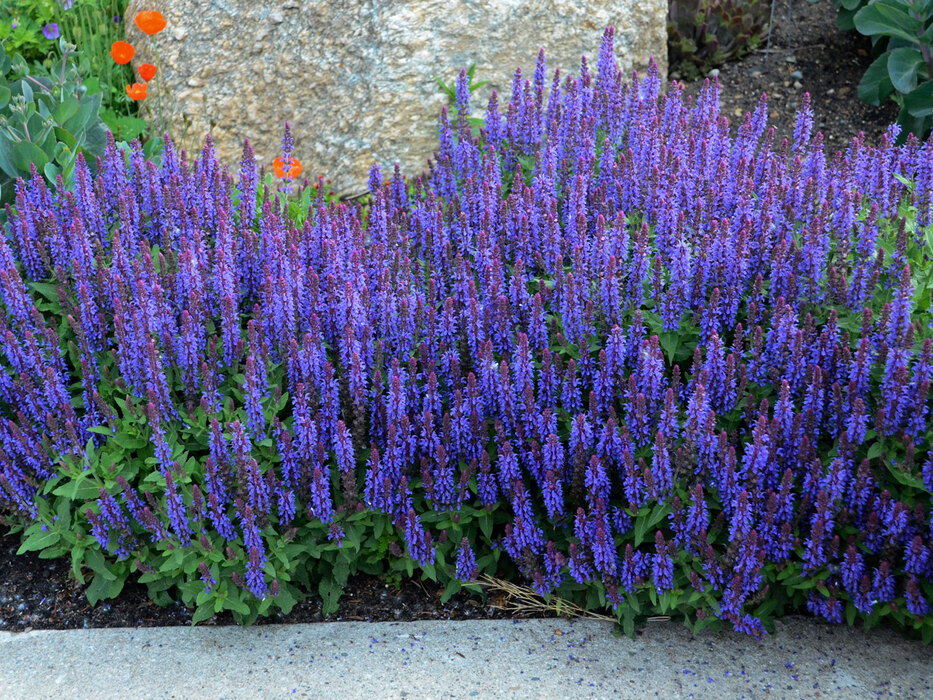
[(466, 562)]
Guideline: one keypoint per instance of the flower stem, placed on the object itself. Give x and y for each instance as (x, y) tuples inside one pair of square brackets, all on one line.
[(160, 85)]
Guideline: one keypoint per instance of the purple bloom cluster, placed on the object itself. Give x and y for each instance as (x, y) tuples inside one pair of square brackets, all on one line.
[(603, 300)]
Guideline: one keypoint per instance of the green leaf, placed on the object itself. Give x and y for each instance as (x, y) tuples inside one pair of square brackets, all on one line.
[(25, 153), (47, 290), (485, 524), (645, 522), (78, 489), (919, 102), (236, 605), (127, 442), (65, 109), (905, 479), (903, 64), (670, 342), (64, 514), (66, 138), (875, 85), (451, 589), (641, 525), (94, 142), (285, 600), (25, 89), (330, 592), (429, 572), (102, 588), (844, 20), (203, 612), (38, 540), (51, 171), (6, 157), (628, 623), (97, 562), (4, 96), (887, 20), (85, 115)]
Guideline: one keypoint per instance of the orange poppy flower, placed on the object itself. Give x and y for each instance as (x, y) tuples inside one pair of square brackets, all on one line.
[(294, 169), (122, 52), (147, 71), (137, 91), (150, 21)]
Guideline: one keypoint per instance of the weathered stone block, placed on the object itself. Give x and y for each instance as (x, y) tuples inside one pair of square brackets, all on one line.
[(355, 78)]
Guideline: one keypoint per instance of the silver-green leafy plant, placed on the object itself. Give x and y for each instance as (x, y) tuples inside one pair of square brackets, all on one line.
[(46, 120)]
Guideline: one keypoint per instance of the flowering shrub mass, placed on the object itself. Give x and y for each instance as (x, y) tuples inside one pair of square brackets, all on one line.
[(602, 346)]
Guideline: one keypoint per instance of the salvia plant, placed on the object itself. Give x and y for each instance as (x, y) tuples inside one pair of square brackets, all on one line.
[(450, 90), (664, 369), (704, 34)]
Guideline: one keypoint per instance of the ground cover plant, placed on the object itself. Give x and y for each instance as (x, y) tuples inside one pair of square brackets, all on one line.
[(602, 346)]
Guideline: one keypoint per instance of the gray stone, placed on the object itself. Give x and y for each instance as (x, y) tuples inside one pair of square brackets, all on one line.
[(356, 79)]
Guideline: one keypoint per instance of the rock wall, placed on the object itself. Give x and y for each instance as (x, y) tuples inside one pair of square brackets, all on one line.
[(355, 78)]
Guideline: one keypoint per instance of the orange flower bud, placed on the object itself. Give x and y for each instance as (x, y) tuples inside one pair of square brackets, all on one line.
[(150, 21), (122, 52), (137, 91), (294, 169), (147, 71)]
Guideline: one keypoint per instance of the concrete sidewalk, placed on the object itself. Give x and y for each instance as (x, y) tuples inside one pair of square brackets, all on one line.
[(485, 658)]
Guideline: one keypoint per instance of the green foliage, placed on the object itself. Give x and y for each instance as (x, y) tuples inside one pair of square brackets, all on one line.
[(902, 35), (704, 34), (45, 119), (450, 89), (91, 25), (94, 25), (21, 23)]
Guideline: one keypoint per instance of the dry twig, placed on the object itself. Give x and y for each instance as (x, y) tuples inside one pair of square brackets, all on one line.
[(523, 601)]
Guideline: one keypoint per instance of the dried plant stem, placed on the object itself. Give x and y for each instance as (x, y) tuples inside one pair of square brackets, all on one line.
[(522, 600)]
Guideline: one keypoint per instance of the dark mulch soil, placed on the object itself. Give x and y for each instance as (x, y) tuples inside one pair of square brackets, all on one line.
[(41, 594), (808, 55)]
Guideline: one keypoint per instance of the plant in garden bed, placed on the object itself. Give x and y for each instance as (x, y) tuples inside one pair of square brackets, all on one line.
[(46, 120), (902, 33), (704, 34), (33, 29), (47, 117), (604, 347), (94, 25)]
